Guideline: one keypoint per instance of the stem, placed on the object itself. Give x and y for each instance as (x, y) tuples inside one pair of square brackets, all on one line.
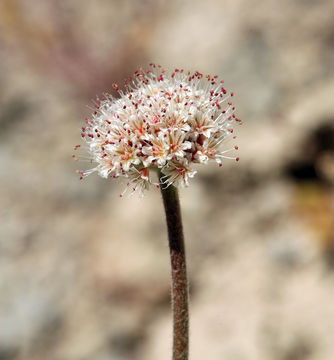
[(179, 271)]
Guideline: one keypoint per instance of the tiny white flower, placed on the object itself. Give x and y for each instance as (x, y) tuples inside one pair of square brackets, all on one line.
[(178, 173), (163, 120)]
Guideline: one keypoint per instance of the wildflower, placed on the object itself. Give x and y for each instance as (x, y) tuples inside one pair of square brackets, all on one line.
[(169, 121)]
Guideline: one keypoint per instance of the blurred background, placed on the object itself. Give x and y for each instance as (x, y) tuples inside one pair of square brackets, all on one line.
[(84, 275)]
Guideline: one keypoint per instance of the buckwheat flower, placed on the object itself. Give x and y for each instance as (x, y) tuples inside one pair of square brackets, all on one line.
[(168, 121)]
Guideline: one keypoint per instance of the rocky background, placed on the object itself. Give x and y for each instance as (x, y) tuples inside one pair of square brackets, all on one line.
[(84, 275)]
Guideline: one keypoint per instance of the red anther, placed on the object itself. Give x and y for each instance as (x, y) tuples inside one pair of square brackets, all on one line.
[(236, 147), (96, 106), (157, 186), (220, 165), (115, 86), (237, 159), (232, 93), (229, 103), (223, 90)]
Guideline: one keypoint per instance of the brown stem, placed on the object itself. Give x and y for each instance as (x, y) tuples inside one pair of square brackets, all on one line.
[(179, 272)]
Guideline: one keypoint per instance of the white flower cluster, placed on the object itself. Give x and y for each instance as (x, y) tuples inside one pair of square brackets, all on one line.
[(163, 120)]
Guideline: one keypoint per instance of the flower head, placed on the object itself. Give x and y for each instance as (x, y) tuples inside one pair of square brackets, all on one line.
[(169, 121)]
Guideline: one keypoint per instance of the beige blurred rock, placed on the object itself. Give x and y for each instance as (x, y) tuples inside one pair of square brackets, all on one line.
[(85, 274)]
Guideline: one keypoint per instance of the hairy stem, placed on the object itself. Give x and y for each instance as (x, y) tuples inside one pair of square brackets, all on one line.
[(179, 272)]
